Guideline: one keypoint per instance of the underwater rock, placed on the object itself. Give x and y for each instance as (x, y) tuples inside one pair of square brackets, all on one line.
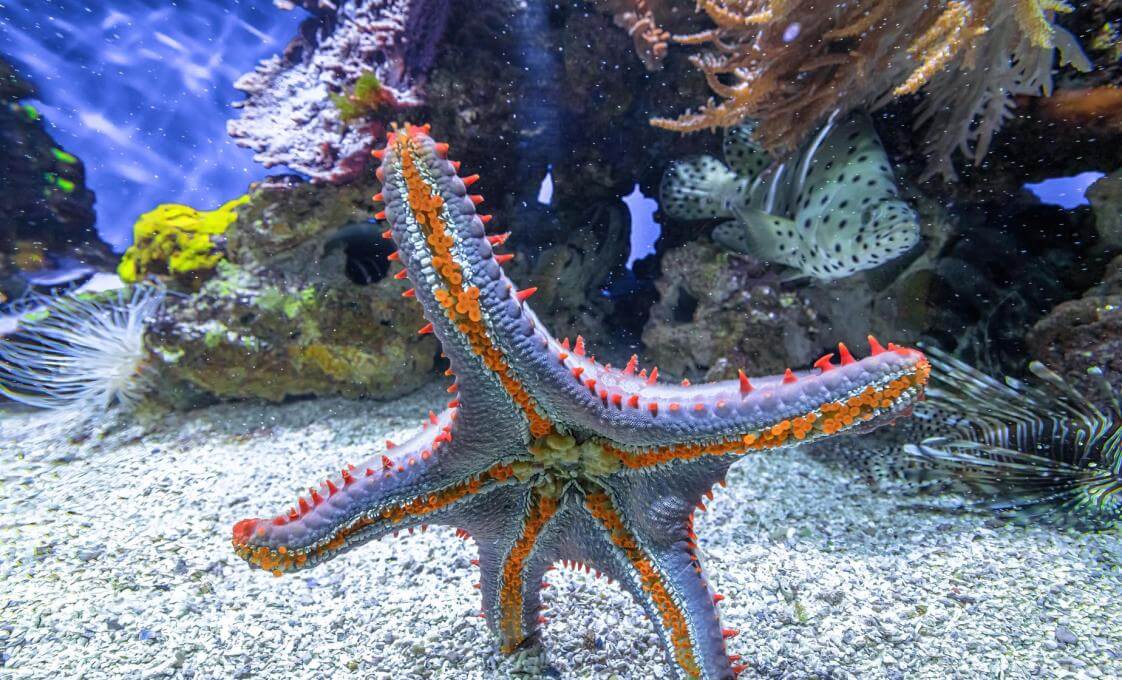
[(46, 210), (828, 212), (289, 116), (1084, 333), (288, 223), (570, 275), (302, 305), (1105, 197), (718, 311), (258, 334), (177, 243)]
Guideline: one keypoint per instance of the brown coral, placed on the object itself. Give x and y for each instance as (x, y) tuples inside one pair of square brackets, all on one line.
[(637, 17), (790, 64)]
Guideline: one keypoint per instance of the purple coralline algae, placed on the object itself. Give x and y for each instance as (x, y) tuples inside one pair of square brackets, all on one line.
[(288, 117)]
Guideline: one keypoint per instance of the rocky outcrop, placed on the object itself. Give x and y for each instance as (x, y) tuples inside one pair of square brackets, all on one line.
[(46, 210), (717, 312), (1105, 197), (1084, 333), (292, 115), (301, 305)]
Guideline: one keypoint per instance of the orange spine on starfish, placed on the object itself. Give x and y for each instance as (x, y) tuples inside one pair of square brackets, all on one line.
[(600, 506), (542, 509), (459, 303)]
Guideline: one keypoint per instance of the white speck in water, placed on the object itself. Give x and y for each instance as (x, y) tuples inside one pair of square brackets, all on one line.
[(792, 32)]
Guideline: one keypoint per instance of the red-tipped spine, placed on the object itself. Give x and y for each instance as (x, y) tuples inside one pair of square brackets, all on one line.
[(745, 384)]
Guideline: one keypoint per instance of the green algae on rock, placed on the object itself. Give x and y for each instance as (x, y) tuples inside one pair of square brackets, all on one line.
[(256, 335), (46, 209), (298, 307)]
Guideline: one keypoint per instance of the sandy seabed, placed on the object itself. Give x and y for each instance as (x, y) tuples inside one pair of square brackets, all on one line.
[(115, 561)]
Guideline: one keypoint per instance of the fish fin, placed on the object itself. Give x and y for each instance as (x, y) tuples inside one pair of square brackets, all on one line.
[(697, 189), (769, 237), (732, 235), (742, 154)]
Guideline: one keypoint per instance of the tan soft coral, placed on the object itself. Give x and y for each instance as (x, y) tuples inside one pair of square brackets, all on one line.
[(638, 18), (790, 64)]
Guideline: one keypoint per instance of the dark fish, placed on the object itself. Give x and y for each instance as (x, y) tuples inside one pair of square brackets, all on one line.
[(1030, 453)]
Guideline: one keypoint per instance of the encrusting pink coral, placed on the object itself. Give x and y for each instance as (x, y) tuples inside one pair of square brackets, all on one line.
[(288, 117)]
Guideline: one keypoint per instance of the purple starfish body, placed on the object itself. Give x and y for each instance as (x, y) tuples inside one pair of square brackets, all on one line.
[(544, 455)]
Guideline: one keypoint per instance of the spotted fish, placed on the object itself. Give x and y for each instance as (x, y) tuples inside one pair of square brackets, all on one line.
[(828, 211)]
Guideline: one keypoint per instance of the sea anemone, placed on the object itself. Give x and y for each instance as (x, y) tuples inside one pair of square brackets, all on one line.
[(81, 355)]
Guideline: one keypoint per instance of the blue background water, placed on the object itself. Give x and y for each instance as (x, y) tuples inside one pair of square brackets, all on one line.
[(141, 90)]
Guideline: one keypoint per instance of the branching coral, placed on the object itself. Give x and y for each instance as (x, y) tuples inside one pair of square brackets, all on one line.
[(288, 117), (637, 17), (84, 356), (177, 241), (789, 64)]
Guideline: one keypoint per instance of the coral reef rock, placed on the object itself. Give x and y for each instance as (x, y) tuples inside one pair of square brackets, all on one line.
[(790, 63), (1084, 333), (301, 305), (718, 311), (46, 210), (828, 212), (1105, 197), (289, 116)]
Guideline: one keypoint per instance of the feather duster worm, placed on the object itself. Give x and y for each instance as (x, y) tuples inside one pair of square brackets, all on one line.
[(84, 356)]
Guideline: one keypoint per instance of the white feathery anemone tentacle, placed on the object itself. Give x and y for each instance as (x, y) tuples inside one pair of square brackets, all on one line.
[(84, 355)]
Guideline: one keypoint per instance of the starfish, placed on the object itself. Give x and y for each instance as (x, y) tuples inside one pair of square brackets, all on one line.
[(545, 455)]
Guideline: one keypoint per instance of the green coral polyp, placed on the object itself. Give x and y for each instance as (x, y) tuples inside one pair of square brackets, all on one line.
[(63, 157), (176, 240), (368, 98)]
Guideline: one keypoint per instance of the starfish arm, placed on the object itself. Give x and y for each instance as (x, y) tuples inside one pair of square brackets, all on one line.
[(511, 569), (528, 379), (513, 564), (730, 418), (657, 553), (424, 480), (469, 302)]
